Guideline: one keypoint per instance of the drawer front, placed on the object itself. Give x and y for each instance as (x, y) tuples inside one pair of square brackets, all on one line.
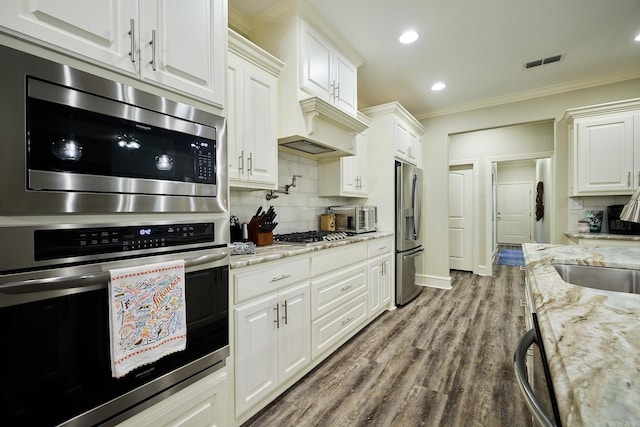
[(379, 247), (337, 258), (269, 277), (333, 327), (333, 291)]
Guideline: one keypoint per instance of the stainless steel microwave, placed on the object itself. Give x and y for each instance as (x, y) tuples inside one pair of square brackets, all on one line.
[(73, 142), (355, 219)]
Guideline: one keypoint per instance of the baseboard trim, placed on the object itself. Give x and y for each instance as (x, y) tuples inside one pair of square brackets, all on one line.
[(433, 281)]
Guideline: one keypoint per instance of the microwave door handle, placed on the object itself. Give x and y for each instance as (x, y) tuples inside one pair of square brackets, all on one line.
[(94, 281)]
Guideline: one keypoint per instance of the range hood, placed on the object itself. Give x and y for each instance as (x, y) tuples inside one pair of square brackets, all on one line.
[(323, 131)]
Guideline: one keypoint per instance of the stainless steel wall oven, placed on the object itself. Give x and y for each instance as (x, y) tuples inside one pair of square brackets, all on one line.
[(75, 142), (55, 364)]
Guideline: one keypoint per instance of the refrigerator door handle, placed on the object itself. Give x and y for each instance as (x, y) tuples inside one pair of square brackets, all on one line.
[(416, 204), (413, 254)]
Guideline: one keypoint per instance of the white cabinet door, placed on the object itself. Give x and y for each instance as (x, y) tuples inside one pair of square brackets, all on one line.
[(380, 278), (256, 351), (317, 75), (346, 91), (401, 139), (346, 176), (182, 46), (260, 134), (235, 129), (102, 30), (252, 138), (203, 403), (326, 73), (294, 331), (605, 155), (375, 277)]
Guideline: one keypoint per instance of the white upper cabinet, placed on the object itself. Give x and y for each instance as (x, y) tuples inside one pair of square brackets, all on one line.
[(252, 115), (145, 39), (327, 73), (182, 45), (605, 149)]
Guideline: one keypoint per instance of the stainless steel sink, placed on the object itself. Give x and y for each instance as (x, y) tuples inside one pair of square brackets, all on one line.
[(605, 278)]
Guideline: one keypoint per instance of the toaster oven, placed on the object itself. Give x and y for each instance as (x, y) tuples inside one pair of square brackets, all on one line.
[(355, 219)]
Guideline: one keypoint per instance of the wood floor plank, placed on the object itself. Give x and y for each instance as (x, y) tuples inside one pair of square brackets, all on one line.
[(445, 359)]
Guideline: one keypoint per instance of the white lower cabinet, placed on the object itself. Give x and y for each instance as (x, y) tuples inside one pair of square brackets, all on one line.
[(380, 276), (272, 343), (205, 403)]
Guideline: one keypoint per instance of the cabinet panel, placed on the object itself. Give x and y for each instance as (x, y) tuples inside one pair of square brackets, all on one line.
[(97, 29), (270, 278), (346, 91), (334, 290), (204, 403), (605, 155), (334, 259), (316, 63), (330, 329), (256, 352), (191, 60), (295, 332), (235, 128)]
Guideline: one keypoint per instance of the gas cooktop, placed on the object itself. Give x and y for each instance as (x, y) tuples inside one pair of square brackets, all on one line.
[(309, 237)]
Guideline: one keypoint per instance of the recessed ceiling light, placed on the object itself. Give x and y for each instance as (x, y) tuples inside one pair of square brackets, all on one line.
[(408, 37), (637, 38), (438, 86)]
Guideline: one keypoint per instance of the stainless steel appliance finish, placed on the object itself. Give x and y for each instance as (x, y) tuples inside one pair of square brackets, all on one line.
[(355, 219), (53, 293), (408, 231), (306, 238), (73, 142), (539, 395)]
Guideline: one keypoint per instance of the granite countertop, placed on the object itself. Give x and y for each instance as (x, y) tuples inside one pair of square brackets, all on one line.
[(603, 236), (279, 251), (591, 337)]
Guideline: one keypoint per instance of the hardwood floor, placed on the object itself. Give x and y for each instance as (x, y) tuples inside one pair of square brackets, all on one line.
[(445, 359)]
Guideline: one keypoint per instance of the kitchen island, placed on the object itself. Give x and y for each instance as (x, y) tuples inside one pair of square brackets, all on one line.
[(591, 337)]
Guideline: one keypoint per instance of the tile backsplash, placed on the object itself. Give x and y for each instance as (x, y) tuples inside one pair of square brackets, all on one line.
[(579, 205), (299, 210)]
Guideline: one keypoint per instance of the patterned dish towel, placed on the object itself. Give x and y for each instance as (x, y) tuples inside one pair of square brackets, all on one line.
[(147, 314)]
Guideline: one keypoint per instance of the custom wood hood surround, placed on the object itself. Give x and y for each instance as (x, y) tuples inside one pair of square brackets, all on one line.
[(317, 92)]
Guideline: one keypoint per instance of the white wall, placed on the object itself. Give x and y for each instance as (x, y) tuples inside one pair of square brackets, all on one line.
[(487, 146), (436, 156), (300, 210)]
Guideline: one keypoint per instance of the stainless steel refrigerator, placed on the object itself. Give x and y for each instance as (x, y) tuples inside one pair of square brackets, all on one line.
[(408, 233)]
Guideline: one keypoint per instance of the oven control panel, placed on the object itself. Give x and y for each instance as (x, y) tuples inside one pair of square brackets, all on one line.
[(73, 242)]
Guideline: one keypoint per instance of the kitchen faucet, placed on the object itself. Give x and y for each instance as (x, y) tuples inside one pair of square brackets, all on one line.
[(271, 194)]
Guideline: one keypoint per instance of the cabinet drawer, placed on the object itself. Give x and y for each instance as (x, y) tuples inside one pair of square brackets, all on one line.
[(268, 278), (336, 258), (330, 329), (379, 247), (333, 291)]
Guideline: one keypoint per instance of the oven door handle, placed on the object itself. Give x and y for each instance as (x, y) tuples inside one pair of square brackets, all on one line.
[(99, 280)]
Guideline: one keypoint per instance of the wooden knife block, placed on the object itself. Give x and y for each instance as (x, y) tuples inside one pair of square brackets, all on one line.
[(260, 239)]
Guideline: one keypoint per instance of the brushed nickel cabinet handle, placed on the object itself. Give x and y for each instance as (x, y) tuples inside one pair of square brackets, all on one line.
[(345, 288), (241, 161), (347, 320), (286, 313), (628, 179), (153, 50), (132, 36), (284, 276), (250, 164), (277, 321)]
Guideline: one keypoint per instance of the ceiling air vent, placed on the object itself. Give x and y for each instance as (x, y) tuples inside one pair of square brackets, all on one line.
[(543, 61)]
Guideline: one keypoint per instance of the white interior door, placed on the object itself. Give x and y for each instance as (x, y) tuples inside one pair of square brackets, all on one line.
[(514, 213), (461, 219)]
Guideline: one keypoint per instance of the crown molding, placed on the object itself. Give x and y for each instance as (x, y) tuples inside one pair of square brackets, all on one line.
[(531, 94)]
